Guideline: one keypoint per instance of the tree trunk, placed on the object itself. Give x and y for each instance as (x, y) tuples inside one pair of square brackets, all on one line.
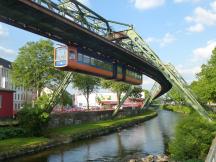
[(87, 98)]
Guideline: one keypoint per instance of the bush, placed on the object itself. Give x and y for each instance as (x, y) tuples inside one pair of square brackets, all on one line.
[(10, 132), (33, 119), (193, 139), (179, 108)]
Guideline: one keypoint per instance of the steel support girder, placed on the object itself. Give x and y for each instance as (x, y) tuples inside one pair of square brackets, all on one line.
[(131, 88), (172, 75)]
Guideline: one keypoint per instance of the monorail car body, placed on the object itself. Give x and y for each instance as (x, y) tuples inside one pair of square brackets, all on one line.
[(85, 61)]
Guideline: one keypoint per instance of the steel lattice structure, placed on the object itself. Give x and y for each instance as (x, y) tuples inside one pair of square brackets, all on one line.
[(92, 26)]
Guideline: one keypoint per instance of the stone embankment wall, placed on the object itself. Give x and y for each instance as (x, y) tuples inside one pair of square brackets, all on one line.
[(66, 119)]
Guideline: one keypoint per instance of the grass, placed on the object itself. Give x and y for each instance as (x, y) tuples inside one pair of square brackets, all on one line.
[(178, 108), (8, 122), (82, 128), (21, 143), (16, 144)]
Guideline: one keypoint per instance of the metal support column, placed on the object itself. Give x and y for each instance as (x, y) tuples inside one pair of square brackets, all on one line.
[(123, 100)]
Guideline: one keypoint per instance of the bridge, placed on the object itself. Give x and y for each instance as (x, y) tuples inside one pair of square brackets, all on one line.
[(72, 23)]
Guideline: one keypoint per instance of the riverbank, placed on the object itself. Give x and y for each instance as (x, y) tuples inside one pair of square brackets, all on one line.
[(178, 108), (57, 136)]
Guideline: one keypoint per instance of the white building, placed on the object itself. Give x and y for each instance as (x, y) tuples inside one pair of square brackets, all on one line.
[(80, 99), (21, 95)]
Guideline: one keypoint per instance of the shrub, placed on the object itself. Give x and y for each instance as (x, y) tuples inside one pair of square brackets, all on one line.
[(34, 119), (10, 132), (193, 138)]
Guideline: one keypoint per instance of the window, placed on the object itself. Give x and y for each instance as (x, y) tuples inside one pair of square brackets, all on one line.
[(119, 70), (93, 61), (72, 55), (86, 59), (0, 102), (80, 57)]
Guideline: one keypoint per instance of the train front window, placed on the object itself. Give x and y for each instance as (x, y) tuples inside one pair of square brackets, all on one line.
[(61, 56)]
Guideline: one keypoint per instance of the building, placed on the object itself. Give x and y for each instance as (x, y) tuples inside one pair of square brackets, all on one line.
[(21, 95), (107, 98), (6, 103)]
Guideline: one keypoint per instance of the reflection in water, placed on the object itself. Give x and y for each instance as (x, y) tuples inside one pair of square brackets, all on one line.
[(147, 138)]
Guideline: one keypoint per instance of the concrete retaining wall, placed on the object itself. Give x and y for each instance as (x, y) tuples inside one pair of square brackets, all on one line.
[(66, 119)]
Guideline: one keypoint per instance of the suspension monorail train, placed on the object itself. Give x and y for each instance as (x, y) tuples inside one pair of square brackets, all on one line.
[(70, 58)]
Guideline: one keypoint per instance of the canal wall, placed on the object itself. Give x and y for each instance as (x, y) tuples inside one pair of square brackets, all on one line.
[(67, 119), (66, 139)]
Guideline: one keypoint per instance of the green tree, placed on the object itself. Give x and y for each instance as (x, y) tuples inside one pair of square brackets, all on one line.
[(205, 87), (117, 87), (137, 92), (175, 96), (86, 84), (33, 68)]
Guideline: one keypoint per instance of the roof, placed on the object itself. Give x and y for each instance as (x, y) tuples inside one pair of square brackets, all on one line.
[(6, 90), (5, 63)]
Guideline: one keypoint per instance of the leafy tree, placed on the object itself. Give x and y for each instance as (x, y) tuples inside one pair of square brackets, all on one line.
[(33, 68), (205, 87), (66, 99), (137, 92), (117, 87), (86, 84), (175, 96)]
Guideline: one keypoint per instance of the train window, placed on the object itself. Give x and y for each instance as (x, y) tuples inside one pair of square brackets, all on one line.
[(119, 70), (86, 59), (72, 55), (93, 61), (80, 57)]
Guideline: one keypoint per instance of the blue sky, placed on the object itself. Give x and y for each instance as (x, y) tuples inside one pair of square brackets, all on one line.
[(180, 31)]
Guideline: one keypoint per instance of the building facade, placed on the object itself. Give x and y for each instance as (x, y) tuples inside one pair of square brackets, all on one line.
[(6, 103), (21, 94)]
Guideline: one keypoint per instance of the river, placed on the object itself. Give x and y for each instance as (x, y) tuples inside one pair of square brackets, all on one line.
[(150, 137)]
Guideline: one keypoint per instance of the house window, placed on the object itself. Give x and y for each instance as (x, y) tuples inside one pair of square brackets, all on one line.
[(0, 102)]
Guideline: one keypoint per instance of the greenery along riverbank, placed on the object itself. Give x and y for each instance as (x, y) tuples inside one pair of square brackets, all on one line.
[(53, 137), (178, 108)]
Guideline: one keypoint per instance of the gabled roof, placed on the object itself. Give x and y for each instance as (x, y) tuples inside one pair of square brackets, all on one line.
[(5, 63)]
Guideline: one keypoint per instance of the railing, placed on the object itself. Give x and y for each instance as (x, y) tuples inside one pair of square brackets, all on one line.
[(212, 152)]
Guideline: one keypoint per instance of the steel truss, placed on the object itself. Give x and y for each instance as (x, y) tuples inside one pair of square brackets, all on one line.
[(128, 39)]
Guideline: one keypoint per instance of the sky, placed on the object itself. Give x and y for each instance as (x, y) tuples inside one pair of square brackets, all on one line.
[(181, 32)]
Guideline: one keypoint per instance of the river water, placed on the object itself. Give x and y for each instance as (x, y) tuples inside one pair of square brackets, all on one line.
[(150, 137)]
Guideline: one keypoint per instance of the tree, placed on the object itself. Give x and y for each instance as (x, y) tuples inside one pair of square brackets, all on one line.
[(86, 84), (175, 96), (33, 68), (205, 86), (117, 87), (137, 92)]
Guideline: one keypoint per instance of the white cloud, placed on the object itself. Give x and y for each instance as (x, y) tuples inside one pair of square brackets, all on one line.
[(3, 32), (147, 4), (165, 40), (196, 28), (213, 5), (182, 1), (188, 72), (204, 53), (7, 53), (202, 18)]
